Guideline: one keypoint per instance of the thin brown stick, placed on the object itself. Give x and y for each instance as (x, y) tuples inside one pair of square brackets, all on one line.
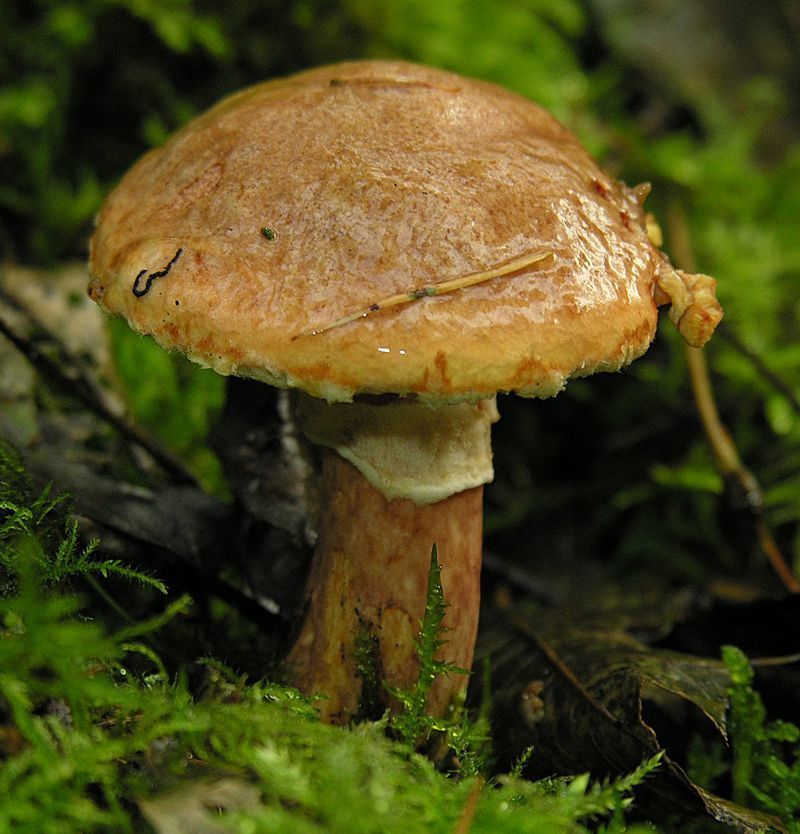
[(558, 664), (431, 290), (723, 449), (464, 823), (781, 660), (731, 467), (773, 552), (71, 379)]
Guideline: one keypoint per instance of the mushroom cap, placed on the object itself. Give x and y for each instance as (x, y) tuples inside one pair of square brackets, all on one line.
[(299, 201)]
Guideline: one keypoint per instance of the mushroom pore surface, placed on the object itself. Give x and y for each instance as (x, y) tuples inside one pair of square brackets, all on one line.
[(406, 449)]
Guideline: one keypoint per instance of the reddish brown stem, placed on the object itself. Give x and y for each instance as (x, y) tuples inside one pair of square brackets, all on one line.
[(369, 578)]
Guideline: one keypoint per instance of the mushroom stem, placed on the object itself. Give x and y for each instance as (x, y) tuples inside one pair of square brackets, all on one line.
[(368, 585)]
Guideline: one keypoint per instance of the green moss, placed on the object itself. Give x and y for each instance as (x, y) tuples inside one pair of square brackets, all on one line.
[(762, 761), (765, 766), (93, 739), (42, 528), (90, 737)]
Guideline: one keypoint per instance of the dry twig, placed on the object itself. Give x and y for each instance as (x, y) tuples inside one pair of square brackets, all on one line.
[(723, 448)]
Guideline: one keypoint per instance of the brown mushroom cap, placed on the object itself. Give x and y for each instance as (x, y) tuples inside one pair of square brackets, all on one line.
[(299, 201)]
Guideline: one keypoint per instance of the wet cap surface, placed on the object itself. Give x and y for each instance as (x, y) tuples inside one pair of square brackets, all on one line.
[(301, 201)]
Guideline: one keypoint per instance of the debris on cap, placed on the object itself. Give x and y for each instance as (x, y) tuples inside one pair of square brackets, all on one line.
[(694, 309), (429, 236)]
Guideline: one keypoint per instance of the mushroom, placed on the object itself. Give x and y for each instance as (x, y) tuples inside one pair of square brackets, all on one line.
[(398, 244)]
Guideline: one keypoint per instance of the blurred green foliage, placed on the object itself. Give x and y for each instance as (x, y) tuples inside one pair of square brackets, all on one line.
[(87, 86), (528, 46)]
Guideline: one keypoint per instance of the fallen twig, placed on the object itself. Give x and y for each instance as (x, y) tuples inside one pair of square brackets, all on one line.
[(723, 449), (67, 374)]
